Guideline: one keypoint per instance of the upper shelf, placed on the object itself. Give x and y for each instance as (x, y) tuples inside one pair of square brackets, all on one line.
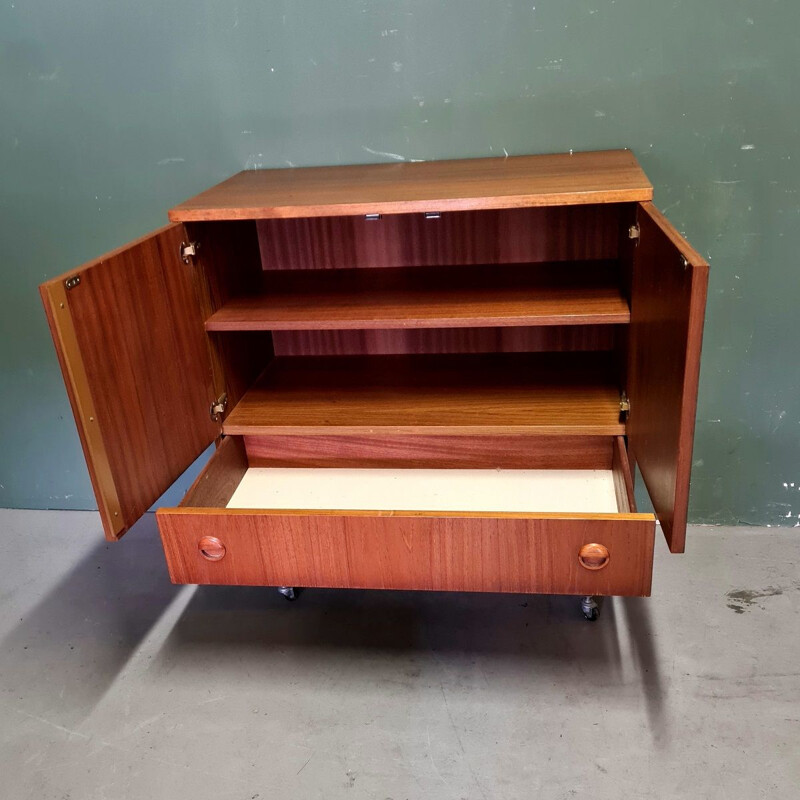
[(608, 176), (500, 295)]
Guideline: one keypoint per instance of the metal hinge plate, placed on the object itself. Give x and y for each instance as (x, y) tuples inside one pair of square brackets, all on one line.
[(624, 403), (634, 233), (72, 282), (188, 251), (218, 407)]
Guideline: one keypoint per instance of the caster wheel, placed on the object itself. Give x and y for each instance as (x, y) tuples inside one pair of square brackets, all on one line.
[(590, 609), (289, 592)]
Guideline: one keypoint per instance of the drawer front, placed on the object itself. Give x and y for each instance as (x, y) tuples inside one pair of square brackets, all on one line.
[(544, 553)]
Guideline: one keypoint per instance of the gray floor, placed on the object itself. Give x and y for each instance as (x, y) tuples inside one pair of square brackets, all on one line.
[(115, 684)]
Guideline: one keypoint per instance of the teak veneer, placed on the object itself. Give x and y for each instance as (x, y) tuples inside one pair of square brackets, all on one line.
[(522, 326), (610, 176), (510, 295), (509, 393)]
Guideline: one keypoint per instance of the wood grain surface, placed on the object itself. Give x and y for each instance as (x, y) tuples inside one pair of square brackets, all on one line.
[(399, 341), (611, 176), (570, 293), (506, 236), (228, 265), (500, 393), (470, 553), (445, 452), (218, 480), (623, 478), (138, 342), (668, 298)]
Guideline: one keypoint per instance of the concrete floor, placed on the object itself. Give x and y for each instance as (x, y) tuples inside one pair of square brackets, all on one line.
[(116, 684)]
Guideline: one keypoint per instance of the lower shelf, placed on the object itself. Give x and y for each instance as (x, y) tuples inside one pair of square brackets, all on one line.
[(563, 393), (385, 530)]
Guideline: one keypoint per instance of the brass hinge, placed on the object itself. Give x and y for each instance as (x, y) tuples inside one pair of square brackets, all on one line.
[(634, 232), (72, 282), (624, 403), (218, 407), (188, 251)]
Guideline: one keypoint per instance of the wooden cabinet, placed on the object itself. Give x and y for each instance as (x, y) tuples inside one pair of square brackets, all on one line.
[(419, 376)]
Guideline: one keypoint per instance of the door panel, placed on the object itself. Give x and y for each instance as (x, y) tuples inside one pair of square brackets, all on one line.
[(130, 339), (668, 298)]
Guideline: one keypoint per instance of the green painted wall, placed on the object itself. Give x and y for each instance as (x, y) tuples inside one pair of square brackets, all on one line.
[(110, 113)]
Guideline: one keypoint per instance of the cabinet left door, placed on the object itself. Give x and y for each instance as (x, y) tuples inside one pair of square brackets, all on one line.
[(136, 362)]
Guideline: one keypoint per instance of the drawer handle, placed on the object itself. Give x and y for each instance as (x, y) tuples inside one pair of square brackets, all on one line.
[(594, 556), (211, 548)]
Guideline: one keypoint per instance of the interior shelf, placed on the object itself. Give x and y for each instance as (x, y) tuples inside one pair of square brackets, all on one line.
[(498, 393), (568, 293)]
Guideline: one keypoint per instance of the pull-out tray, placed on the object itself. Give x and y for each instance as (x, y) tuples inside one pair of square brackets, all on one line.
[(572, 531)]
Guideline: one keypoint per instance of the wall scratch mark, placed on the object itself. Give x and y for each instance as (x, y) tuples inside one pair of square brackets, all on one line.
[(395, 156)]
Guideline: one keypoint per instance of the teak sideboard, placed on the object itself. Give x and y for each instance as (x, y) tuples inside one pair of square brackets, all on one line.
[(432, 376)]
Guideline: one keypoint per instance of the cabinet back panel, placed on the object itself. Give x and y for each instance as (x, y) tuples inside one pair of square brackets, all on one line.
[(445, 340), (507, 236)]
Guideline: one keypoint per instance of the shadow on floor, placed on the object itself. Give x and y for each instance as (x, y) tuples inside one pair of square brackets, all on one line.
[(71, 646), (530, 632), (75, 642)]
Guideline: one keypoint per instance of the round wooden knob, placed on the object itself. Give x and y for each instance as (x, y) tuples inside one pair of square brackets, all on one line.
[(211, 548), (594, 556)]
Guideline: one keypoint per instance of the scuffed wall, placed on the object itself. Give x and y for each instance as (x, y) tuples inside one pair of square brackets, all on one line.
[(110, 113)]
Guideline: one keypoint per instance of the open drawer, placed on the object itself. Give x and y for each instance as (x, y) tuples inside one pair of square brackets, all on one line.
[(556, 531)]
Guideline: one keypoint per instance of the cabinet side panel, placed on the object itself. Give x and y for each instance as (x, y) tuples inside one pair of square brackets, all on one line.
[(228, 265)]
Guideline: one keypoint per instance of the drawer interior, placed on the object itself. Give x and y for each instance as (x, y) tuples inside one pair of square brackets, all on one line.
[(507, 476), (519, 522)]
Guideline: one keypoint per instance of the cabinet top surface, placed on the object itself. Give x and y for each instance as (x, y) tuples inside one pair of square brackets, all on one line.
[(609, 176)]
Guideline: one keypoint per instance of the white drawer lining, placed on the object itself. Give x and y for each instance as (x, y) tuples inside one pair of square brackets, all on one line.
[(534, 490)]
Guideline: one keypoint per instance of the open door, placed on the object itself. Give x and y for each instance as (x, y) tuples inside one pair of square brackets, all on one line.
[(668, 298), (130, 340)]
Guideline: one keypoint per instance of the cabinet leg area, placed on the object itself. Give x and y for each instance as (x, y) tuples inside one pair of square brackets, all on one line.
[(590, 608), (289, 592)]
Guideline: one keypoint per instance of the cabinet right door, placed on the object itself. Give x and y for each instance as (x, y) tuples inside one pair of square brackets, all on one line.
[(668, 299)]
